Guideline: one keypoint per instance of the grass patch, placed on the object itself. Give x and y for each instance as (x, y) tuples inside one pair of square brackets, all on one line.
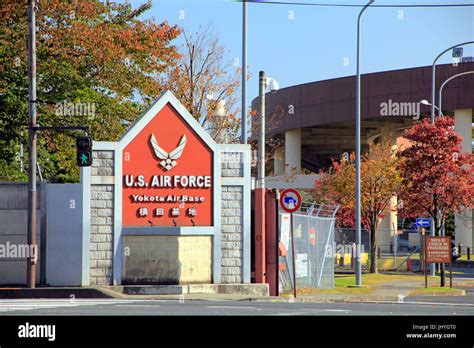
[(373, 279), (464, 258), (343, 283), (436, 290), (338, 289)]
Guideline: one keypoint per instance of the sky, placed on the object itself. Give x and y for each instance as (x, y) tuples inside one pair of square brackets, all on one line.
[(298, 44)]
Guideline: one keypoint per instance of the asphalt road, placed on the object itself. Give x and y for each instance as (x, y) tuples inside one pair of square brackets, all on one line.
[(210, 308)]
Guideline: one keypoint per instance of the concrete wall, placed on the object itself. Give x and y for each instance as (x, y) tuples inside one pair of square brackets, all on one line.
[(63, 234), (14, 229)]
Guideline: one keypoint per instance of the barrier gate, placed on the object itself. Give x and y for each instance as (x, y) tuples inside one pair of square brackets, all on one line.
[(313, 230)]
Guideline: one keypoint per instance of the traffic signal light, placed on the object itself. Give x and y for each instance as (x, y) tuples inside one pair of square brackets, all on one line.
[(84, 151)]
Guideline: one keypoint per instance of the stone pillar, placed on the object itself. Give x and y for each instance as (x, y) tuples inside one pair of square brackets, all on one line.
[(293, 148), (389, 224), (102, 224), (463, 221), (279, 161), (232, 217)]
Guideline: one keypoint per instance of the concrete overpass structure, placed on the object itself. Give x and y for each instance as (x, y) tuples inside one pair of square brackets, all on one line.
[(315, 122)]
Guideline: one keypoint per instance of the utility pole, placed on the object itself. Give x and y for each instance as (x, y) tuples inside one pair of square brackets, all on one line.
[(260, 216), (31, 263), (243, 113), (358, 266), (261, 137), (260, 232)]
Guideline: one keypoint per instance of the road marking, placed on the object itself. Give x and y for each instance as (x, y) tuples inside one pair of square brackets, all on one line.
[(232, 307), (136, 305), (32, 304), (420, 303)]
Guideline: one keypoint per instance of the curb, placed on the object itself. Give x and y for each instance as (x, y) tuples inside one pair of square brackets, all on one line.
[(54, 293)]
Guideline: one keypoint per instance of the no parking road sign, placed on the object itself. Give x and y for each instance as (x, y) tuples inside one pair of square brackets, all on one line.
[(290, 200)]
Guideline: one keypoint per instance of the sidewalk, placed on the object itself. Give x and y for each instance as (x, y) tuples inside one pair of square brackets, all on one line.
[(395, 290)]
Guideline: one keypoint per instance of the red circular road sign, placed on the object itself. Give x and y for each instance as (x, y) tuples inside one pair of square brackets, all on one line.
[(290, 200)]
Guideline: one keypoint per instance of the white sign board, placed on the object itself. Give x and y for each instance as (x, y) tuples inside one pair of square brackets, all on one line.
[(285, 230), (301, 265)]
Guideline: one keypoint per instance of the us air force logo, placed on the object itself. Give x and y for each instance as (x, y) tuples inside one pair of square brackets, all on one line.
[(168, 160)]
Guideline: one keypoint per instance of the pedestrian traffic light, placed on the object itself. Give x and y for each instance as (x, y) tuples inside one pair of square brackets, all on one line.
[(84, 151)]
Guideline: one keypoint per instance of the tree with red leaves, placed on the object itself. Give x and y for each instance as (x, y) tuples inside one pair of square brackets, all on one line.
[(380, 180), (437, 177)]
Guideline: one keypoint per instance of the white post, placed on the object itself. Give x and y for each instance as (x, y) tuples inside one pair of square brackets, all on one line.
[(463, 221), (293, 148)]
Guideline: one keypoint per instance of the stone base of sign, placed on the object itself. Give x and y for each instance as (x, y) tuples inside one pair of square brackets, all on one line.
[(166, 259), (229, 289)]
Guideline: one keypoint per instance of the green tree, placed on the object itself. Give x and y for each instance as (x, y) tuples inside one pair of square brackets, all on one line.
[(98, 53)]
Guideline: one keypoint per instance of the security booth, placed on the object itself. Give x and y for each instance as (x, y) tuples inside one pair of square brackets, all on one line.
[(166, 205)]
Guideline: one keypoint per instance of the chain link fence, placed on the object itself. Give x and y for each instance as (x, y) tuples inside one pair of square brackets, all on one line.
[(313, 230), (345, 242)]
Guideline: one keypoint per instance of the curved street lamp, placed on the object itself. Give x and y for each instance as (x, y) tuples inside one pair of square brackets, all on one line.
[(426, 102), (433, 101), (433, 76), (445, 82)]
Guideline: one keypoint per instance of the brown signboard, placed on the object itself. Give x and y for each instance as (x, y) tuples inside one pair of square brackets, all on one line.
[(438, 249)]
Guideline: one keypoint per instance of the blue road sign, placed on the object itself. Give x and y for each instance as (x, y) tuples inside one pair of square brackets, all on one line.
[(422, 222)]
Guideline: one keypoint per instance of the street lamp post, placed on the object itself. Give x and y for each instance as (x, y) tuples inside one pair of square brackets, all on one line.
[(433, 76), (440, 96), (433, 102), (426, 102), (440, 108), (358, 266)]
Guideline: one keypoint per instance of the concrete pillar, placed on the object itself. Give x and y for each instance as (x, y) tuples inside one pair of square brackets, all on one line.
[(293, 151), (463, 221), (388, 226), (279, 161), (218, 132)]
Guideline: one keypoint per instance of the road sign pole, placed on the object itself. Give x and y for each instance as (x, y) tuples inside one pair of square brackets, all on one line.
[(424, 261), (432, 233), (293, 254), (290, 201), (451, 274)]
